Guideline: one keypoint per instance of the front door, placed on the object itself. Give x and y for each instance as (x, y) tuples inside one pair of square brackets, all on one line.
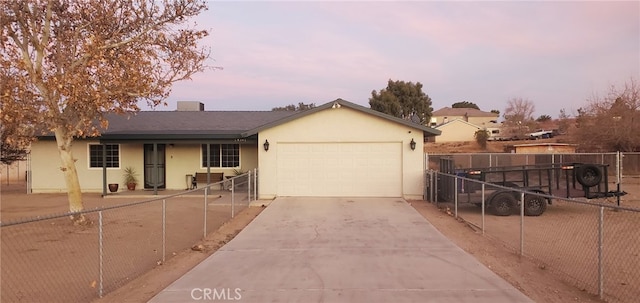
[(154, 170)]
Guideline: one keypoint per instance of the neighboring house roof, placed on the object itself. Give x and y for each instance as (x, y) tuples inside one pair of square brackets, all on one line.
[(199, 125), (457, 121), (471, 112)]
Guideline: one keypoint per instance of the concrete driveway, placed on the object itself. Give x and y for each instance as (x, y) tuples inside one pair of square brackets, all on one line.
[(340, 250)]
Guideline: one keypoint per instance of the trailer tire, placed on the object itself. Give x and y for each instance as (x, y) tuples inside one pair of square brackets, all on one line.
[(534, 205), (588, 175), (502, 204)]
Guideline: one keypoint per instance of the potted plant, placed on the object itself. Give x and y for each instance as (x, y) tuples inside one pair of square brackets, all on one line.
[(130, 177), (113, 187)]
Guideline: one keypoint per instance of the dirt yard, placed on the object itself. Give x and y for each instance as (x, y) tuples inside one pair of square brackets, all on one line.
[(54, 261), (560, 246), (56, 257)]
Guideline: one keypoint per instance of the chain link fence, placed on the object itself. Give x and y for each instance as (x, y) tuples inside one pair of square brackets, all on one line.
[(48, 259), (592, 244), (624, 167)]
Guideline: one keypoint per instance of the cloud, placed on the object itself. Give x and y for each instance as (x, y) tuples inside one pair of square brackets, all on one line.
[(275, 53)]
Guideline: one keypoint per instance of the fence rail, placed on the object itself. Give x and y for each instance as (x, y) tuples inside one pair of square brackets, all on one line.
[(48, 259), (592, 244)]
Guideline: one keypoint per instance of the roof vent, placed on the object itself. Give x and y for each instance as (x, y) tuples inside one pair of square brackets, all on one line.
[(190, 106)]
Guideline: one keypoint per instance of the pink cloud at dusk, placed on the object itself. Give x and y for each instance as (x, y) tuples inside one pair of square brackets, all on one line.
[(276, 53)]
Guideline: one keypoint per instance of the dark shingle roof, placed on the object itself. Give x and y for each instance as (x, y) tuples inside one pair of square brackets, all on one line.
[(192, 121), (199, 125), (187, 124)]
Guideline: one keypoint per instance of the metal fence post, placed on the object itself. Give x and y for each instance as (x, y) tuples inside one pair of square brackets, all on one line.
[(618, 167), (206, 208), (249, 186), (101, 247), (455, 197), (435, 198), (521, 224), (233, 188), (483, 206), (619, 163), (255, 184), (432, 182), (600, 255), (164, 229)]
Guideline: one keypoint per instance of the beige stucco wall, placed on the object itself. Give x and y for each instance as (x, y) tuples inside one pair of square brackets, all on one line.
[(456, 132), (47, 176), (185, 159), (180, 161), (342, 125)]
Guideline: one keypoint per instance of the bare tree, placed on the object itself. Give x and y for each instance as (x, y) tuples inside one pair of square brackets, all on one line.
[(518, 117), (611, 123), (73, 61)]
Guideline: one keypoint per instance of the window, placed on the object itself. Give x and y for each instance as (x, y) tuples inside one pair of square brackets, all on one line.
[(95, 155), (221, 155)]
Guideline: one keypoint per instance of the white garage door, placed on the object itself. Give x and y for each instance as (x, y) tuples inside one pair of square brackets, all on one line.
[(340, 169)]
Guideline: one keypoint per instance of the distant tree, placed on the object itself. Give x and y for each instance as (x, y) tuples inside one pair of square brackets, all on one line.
[(543, 118), (464, 104), (482, 136), (75, 61), (292, 107), (563, 121), (404, 100), (611, 123), (518, 117), (495, 111)]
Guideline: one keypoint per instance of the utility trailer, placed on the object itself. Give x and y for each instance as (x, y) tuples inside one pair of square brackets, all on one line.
[(567, 180)]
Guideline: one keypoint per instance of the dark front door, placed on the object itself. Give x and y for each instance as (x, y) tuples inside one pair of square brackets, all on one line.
[(154, 167)]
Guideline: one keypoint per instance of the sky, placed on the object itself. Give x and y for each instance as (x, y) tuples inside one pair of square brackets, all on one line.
[(556, 54)]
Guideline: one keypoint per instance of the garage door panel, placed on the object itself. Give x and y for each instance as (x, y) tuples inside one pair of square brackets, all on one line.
[(339, 169)]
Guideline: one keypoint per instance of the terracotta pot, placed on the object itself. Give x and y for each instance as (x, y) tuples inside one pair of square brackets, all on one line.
[(131, 186), (113, 187)]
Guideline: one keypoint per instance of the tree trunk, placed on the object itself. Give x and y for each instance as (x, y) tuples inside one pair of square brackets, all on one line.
[(68, 166)]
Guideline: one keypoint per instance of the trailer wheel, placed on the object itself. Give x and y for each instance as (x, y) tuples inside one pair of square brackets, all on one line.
[(588, 175), (534, 205), (502, 204)]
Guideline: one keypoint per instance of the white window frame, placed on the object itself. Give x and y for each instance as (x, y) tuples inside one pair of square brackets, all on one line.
[(100, 167), (202, 151)]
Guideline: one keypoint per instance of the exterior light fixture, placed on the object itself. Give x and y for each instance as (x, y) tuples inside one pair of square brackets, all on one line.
[(412, 144), (266, 145)]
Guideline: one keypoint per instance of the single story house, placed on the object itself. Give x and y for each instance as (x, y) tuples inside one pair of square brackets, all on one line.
[(336, 149), (471, 115), (457, 130)]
